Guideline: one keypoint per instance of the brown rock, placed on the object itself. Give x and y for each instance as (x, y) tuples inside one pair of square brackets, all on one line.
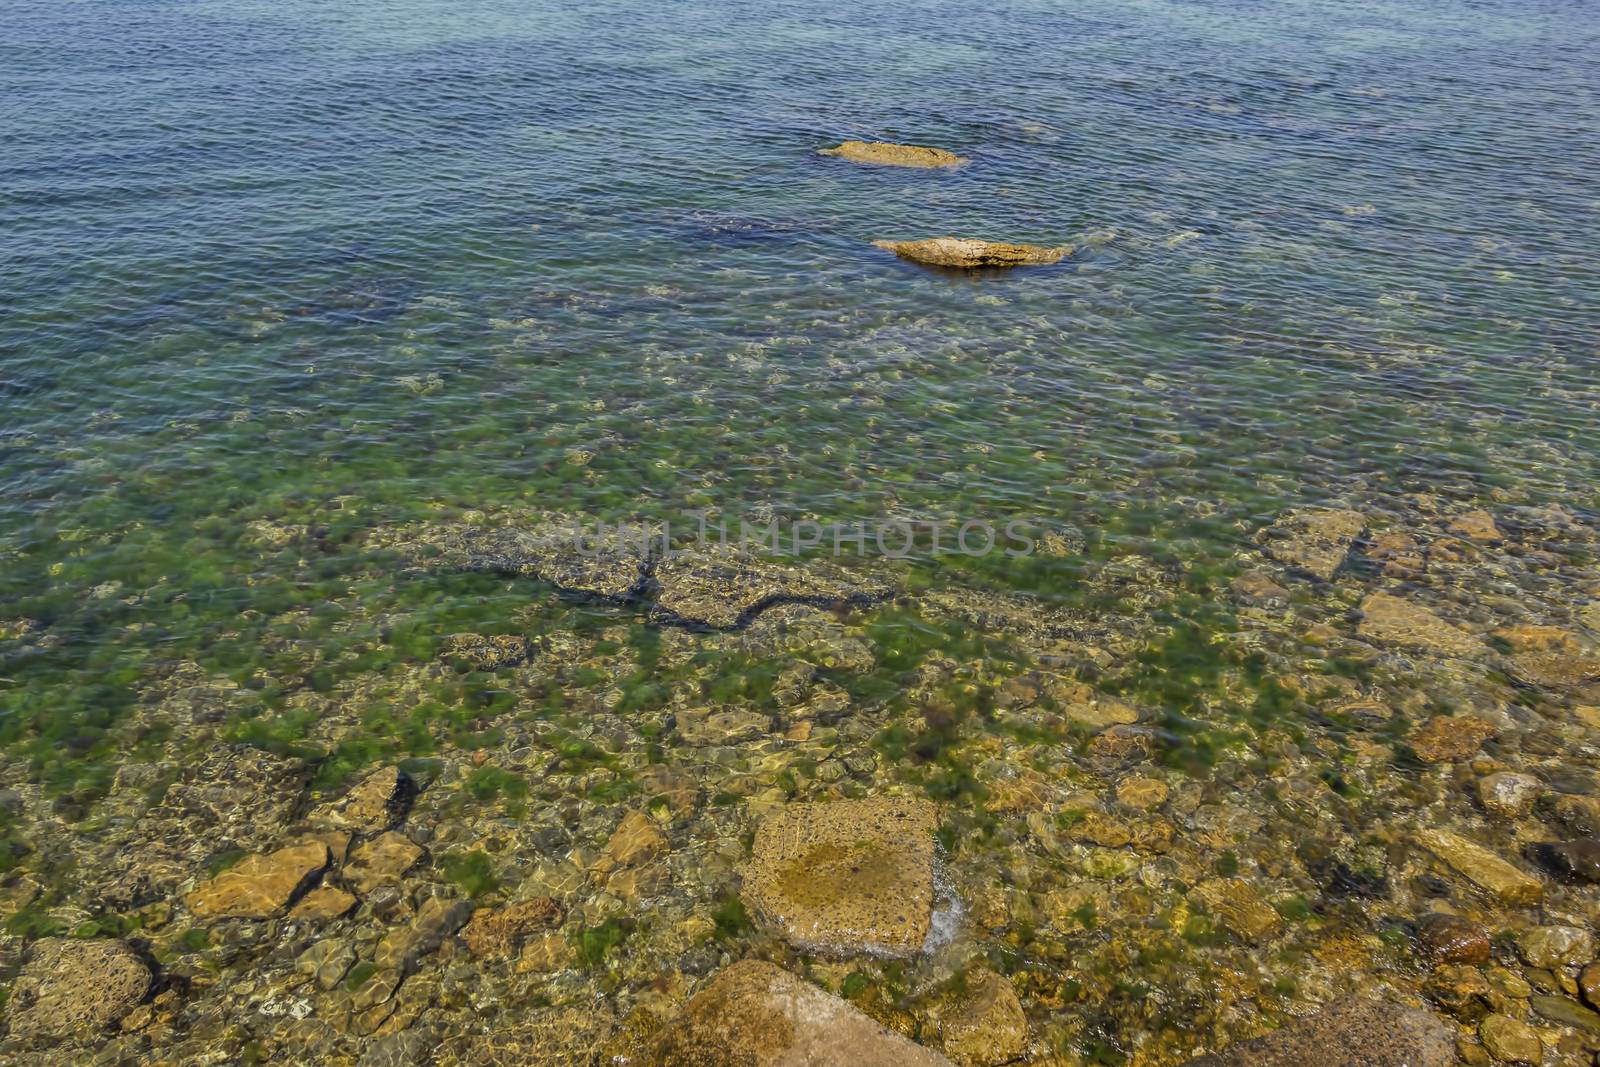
[(637, 839), (755, 1014), (1510, 1040), (1239, 908), (379, 802), (1589, 984), (260, 886), (323, 903), (69, 985), (501, 931), (1399, 553), (1450, 737), (404, 947), (1476, 526), (1390, 620), (380, 862), (1508, 794), (847, 877), (888, 154), (969, 252), (1349, 1033), (1549, 657), (1453, 939), (1144, 794), (1315, 540), (1483, 868), (982, 1025)]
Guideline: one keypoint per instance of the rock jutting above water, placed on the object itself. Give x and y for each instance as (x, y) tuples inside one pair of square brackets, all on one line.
[(847, 877), (971, 252), (1356, 1032), (756, 1014), (889, 154), (1313, 540)]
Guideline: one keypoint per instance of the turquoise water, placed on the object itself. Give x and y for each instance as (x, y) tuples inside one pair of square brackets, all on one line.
[(327, 269)]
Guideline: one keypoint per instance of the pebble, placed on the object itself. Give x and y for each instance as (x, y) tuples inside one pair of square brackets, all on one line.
[(1453, 939)]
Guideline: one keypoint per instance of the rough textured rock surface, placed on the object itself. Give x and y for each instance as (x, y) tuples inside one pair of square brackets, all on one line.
[(1315, 541), (847, 877), (971, 252), (1350, 1033), (260, 886), (755, 1014), (888, 154), (578, 556), (1450, 737), (723, 588), (982, 1024), (1549, 657), (379, 802), (1389, 620), (68, 986)]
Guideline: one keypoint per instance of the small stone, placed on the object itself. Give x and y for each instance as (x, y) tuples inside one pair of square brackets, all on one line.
[(721, 726), (501, 931), (1145, 794), (323, 903), (1476, 526), (1255, 587), (1389, 620), (1453, 939), (1555, 946), (68, 985), (260, 886), (1450, 737), (1239, 908), (1482, 867), (885, 153), (1510, 1040), (1356, 1032), (381, 862), (847, 876), (967, 252), (755, 1014), (1400, 554), (1589, 984), (1314, 541), (1509, 795), (638, 839), (983, 1025)]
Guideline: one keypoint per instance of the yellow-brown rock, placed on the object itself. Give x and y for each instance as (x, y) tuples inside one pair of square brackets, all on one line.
[(259, 886), (888, 154), (970, 252)]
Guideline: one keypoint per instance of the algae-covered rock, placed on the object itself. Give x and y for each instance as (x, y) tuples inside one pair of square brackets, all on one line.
[(1450, 737), (1390, 620), (260, 886), (886, 153), (1356, 1032), (847, 877), (981, 1023), (970, 252), (723, 588), (756, 1014), (1315, 541), (69, 985)]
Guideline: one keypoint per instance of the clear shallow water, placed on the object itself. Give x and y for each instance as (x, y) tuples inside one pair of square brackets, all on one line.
[(347, 268)]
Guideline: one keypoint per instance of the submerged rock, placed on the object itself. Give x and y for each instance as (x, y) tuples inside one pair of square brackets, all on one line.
[(1578, 859), (379, 802), (381, 862), (1510, 1040), (1450, 737), (575, 555), (1315, 541), (1453, 939), (1390, 620), (1549, 657), (1508, 794), (723, 588), (487, 652), (981, 1024), (847, 877), (1483, 868), (69, 985), (501, 931), (888, 154), (1356, 1032), (970, 252), (260, 886), (1239, 908), (756, 1014)]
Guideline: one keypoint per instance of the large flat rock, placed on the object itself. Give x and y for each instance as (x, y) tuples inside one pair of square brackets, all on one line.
[(1390, 620), (847, 877), (1357, 1032), (756, 1014), (1313, 540), (724, 588)]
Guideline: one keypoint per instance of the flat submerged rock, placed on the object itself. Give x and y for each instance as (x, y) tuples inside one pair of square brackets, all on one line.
[(756, 1014), (971, 253), (888, 154), (847, 877), (1357, 1032)]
